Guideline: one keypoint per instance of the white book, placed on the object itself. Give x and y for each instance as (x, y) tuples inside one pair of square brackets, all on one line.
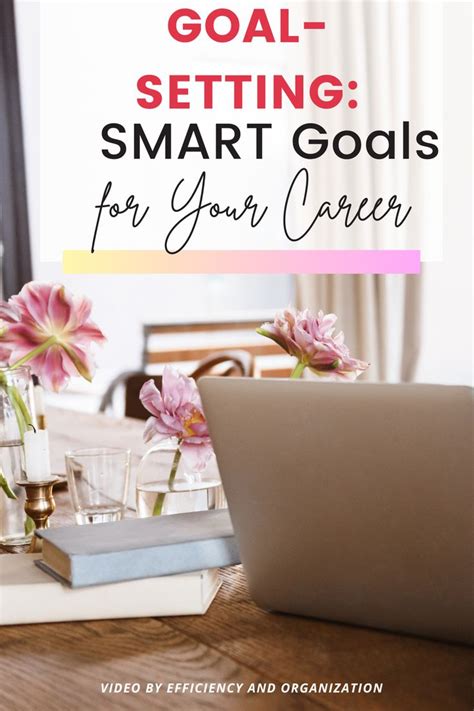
[(28, 595)]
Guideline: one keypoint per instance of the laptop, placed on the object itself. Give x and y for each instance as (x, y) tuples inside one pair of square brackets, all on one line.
[(351, 502)]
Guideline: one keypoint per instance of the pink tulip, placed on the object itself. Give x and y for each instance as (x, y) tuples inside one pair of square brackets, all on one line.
[(7, 313), (311, 341), (49, 328), (177, 412)]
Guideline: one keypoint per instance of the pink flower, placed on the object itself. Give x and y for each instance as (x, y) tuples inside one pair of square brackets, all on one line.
[(49, 328), (177, 412), (311, 341), (7, 313)]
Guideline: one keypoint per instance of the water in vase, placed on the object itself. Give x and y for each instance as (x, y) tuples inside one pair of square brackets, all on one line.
[(203, 495), (12, 512)]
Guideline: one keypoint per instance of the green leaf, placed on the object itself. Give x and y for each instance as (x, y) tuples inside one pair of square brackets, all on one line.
[(6, 487), (29, 526)]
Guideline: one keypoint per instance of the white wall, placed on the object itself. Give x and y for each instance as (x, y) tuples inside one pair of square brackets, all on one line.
[(123, 303), (447, 320)]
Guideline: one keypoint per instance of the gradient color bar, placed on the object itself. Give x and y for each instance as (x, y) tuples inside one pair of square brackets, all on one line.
[(243, 262)]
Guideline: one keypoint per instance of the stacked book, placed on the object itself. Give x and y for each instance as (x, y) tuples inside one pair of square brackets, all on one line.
[(134, 568)]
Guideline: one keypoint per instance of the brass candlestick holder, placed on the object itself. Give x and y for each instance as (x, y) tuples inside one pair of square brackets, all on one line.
[(39, 506)]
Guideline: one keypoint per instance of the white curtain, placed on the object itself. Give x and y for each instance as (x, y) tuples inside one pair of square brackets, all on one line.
[(383, 46)]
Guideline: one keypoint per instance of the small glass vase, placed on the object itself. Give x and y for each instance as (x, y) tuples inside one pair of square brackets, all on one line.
[(187, 490), (16, 407)]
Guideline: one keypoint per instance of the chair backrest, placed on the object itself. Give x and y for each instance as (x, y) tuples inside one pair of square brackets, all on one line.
[(236, 363), (198, 341), (118, 382), (239, 363), (133, 385)]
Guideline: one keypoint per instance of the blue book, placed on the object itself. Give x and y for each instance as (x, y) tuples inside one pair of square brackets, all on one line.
[(139, 548)]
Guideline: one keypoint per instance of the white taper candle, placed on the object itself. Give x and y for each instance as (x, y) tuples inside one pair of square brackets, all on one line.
[(39, 400), (37, 462), (39, 406)]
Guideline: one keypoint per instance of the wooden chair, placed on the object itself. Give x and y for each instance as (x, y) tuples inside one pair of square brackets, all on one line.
[(203, 339), (236, 363)]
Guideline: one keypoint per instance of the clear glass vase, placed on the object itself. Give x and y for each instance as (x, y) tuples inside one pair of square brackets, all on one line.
[(185, 490), (16, 413)]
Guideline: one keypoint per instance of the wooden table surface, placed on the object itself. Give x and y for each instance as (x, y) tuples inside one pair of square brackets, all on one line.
[(61, 666)]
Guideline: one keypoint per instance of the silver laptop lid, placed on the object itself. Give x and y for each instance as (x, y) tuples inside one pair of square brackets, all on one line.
[(350, 502)]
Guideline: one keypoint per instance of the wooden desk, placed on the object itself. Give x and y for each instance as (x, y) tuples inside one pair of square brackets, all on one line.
[(61, 666)]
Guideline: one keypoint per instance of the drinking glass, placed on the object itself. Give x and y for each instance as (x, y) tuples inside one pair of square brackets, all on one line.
[(98, 483)]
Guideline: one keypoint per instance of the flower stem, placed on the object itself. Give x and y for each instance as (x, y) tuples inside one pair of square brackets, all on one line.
[(23, 419), (21, 404), (35, 352), (158, 507), (298, 370), (174, 466), (20, 409), (9, 493), (160, 499), (14, 398)]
